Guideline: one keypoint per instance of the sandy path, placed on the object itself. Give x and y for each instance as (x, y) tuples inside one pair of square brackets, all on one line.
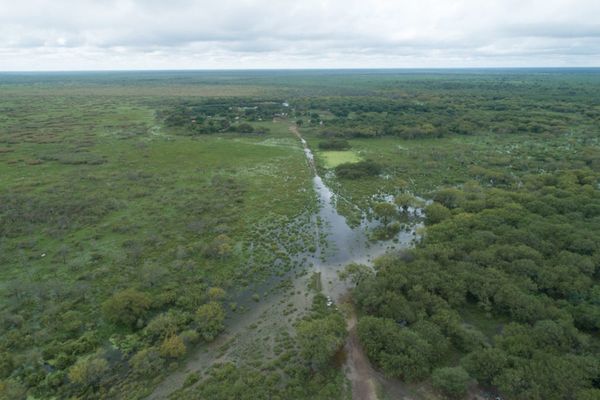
[(358, 368)]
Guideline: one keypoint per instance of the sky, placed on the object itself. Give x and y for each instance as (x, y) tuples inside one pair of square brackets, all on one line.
[(226, 34)]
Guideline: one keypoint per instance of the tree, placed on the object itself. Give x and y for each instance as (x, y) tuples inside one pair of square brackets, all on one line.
[(485, 364), (319, 339), (163, 325), (385, 212), (334, 144), (356, 273), (126, 307), (146, 362), (451, 381), (7, 364), (399, 351), (406, 200), (436, 213), (449, 198), (244, 128), (220, 247), (215, 293), (548, 376), (357, 170), (172, 347), (210, 318), (12, 390), (588, 394), (88, 371), (433, 335)]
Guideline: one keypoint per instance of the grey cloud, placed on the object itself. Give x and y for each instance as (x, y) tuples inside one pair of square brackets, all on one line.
[(37, 34)]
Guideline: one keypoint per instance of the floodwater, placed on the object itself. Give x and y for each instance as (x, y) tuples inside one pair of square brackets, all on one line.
[(351, 245), (344, 245)]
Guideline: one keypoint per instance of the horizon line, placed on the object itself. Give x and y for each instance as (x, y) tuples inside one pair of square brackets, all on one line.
[(302, 69)]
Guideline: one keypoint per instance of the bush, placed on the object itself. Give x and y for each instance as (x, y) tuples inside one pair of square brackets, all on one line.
[(146, 362), (191, 379), (220, 247), (172, 347), (126, 307), (242, 128), (7, 364), (12, 390), (320, 339), (216, 293), (485, 364), (190, 337), (210, 318), (588, 394), (385, 212), (452, 382), (436, 213), (361, 169), (163, 325), (334, 144), (88, 371), (401, 352)]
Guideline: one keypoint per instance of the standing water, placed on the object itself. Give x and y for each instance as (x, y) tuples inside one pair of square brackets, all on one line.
[(350, 245), (345, 244)]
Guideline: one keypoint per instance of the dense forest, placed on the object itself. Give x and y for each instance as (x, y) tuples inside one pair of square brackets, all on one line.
[(505, 282)]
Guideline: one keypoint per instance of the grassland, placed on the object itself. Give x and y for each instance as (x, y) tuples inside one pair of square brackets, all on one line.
[(332, 159), (96, 196)]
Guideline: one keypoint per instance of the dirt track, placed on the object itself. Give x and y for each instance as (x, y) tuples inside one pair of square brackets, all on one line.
[(358, 368)]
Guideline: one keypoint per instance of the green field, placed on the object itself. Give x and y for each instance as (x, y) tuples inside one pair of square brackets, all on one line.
[(332, 159)]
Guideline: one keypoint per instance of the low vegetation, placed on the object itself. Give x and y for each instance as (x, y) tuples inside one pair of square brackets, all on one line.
[(142, 213)]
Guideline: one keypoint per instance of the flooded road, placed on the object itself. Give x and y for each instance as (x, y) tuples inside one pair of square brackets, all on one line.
[(351, 245)]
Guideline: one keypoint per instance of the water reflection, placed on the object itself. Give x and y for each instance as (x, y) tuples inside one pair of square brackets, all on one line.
[(344, 243)]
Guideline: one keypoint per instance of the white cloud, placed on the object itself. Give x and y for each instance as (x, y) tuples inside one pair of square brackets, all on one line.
[(153, 34)]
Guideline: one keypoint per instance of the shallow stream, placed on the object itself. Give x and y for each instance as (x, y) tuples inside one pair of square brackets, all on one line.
[(345, 244)]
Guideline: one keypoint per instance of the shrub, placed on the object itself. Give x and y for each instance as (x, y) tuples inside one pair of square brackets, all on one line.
[(385, 212), (320, 339), (243, 128), (13, 390), (361, 169), (88, 371), (146, 362), (210, 318), (7, 364), (485, 364), (126, 307), (436, 213), (172, 347), (163, 325), (334, 144), (451, 381), (401, 352), (216, 293)]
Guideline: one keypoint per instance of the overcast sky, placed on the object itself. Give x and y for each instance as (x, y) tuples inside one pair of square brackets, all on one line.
[(182, 34)]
